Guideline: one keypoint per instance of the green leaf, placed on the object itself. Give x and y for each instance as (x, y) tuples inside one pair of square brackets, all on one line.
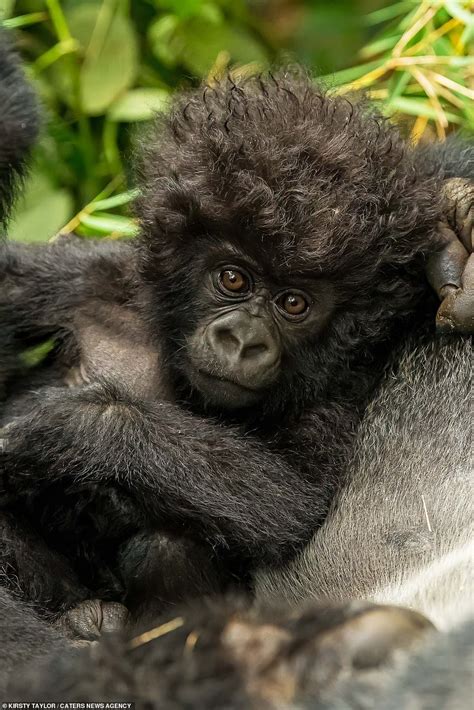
[(346, 76), (6, 8), (417, 107), (203, 41), (24, 20), (443, 47), (111, 56), (196, 43), (123, 198), (161, 37), (35, 355), (139, 105), (379, 45), (389, 13), (399, 82), (110, 223), (42, 212), (182, 8)]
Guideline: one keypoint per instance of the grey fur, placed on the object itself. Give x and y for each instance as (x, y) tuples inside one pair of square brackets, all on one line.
[(401, 531)]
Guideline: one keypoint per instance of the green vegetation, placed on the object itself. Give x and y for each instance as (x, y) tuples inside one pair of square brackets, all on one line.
[(102, 67)]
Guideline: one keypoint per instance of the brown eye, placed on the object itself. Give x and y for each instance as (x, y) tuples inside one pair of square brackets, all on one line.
[(293, 304), (234, 281)]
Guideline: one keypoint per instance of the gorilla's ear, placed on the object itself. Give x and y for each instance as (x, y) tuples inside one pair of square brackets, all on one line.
[(19, 124)]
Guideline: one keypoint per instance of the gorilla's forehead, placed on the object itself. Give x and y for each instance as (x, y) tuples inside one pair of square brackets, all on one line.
[(272, 265), (275, 259), (283, 256), (300, 181)]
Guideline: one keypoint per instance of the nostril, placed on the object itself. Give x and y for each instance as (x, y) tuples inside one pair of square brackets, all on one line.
[(252, 352), (226, 339)]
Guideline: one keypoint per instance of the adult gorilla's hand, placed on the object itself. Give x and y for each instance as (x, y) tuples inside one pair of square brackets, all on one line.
[(451, 271)]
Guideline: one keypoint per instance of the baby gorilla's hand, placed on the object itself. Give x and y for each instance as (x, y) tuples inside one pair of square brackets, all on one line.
[(90, 619), (451, 271)]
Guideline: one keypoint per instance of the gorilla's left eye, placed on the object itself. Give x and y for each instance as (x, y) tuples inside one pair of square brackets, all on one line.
[(234, 282), (293, 304)]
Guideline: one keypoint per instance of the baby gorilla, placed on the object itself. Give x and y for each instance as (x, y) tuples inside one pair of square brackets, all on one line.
[(220, 362)]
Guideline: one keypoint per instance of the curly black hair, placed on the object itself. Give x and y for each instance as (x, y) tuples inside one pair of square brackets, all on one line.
[(306, 182)]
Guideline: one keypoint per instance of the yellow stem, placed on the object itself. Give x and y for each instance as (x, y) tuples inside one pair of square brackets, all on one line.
[(156, 632), (413, 30), (441, 120)]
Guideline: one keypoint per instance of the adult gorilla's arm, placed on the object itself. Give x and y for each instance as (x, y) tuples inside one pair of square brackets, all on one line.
[(42, 286), (19, 124), (220, 485)]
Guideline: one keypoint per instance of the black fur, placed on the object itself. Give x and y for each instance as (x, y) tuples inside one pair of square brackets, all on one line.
[(307, 187), (25, 638), (19, 124)]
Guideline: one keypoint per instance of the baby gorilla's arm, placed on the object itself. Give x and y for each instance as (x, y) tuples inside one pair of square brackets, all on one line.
[(178, 468)]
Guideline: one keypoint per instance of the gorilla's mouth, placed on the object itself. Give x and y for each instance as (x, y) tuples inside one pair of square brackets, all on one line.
[(226, 392), (211, 377)]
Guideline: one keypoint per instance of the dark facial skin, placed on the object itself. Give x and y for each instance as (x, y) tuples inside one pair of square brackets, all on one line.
[(252, 325)]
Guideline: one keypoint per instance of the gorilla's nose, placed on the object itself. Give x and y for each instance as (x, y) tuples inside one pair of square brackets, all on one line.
[(245, 347)]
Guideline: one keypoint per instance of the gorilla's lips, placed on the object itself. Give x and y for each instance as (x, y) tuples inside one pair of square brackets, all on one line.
[(219, 390)]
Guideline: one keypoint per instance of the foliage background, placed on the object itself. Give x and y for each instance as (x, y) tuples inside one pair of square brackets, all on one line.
[(103, 66)]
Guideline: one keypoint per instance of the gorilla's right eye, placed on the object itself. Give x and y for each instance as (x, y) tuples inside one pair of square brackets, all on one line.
[(234, 282)]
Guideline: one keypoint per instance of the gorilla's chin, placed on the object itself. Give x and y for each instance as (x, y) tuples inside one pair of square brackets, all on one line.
[(224, 393)]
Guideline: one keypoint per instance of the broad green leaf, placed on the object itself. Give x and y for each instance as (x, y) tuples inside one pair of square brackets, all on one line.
[(6, 8), (42, 221), (161, 36), (183, 8), (42, 211), (198, 42), (111, 56), (109, 223), (138, 105)]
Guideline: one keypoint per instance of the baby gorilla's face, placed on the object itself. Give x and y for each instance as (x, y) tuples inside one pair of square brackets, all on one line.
[(272, 212), (251, 327)]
